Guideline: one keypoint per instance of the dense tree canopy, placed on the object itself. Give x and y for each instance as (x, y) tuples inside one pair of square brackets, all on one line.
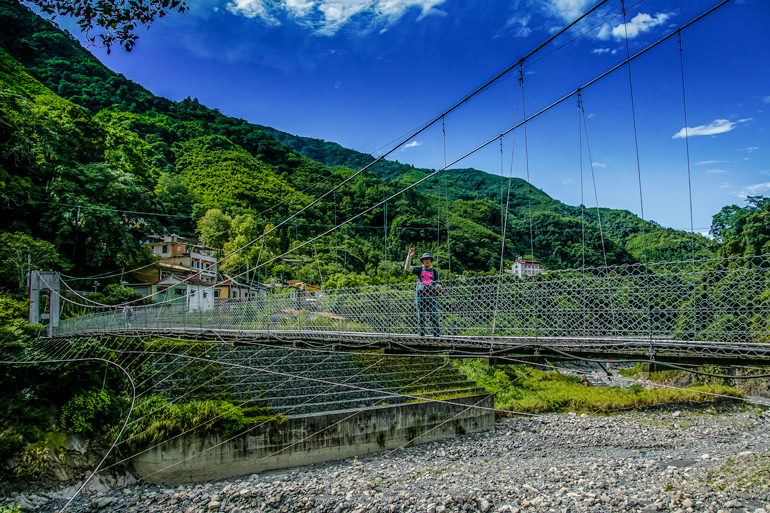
[(743, 230)]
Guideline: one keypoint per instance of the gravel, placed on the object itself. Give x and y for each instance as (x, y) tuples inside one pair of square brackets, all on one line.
[(679, 461)]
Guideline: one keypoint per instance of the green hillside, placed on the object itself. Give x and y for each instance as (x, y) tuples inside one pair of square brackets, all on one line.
[(104, 151)]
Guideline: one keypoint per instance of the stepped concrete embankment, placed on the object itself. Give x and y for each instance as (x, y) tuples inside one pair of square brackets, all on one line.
[(333, 405), (312, 439)]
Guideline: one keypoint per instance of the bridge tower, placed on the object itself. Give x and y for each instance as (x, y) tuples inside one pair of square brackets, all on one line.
[(44, 291)]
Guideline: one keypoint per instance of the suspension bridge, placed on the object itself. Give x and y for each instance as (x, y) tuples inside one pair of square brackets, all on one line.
[(685, 312), (712, 310), (695, 309)]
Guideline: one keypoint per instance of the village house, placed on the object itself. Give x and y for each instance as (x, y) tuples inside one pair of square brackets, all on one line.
[(525, 268)]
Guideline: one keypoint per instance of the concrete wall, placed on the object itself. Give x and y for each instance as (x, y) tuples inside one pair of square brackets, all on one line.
[(339, 435)]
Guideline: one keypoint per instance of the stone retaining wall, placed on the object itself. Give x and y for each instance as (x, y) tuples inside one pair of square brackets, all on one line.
[(312, 439)]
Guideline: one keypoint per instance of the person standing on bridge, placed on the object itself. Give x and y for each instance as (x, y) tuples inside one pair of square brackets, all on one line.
[(426, 288), (128, 315)]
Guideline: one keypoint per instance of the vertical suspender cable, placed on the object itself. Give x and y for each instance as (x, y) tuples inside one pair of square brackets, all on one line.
[(526, 162), (504, 217), (385, 228), (320, 276), (582, 219), (639, 179), (529, 182), (687, 145), (689, 187), (510, 181), (502, 253), (438, 200), (598, 211), (582, 200), (336, 235), (446, 202)]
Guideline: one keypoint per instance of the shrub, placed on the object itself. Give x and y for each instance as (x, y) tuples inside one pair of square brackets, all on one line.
[(79, 413)]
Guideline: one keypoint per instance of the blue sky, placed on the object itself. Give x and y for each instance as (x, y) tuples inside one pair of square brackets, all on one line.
[(364, 73)]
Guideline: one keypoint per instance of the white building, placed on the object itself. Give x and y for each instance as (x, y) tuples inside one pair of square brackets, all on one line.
[(525, 268), (189, 294)]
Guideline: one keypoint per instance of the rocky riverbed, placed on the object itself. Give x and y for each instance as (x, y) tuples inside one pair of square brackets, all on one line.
[(652, 461)]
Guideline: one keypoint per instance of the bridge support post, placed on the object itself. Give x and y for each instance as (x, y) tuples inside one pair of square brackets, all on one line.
[(41, 283)]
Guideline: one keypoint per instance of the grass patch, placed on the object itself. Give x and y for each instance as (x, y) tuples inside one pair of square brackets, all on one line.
[(522, 389), (155, 420)]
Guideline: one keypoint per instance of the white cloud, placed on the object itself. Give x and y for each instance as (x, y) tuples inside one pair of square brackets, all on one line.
[(568, 10), (412, 144), (299, 7), (716, 171), (755, 190), (253, 9), (640, 23), (752, 148), (706, 162), (718, 126), (598, 164), (518, 26), (567, 181), (766, 100), (326, 17), (601, 51), (724, 186)]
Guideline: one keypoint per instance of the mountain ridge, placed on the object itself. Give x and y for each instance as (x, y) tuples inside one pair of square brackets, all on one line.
[(173, 137)]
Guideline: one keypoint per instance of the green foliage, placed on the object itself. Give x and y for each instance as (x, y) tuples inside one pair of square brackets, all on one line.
[(15, 330), (116, 294), (666, 244), (21, 253), (520, 389), (227, 176), (177, 199), (74, 183), (214, 228), (195, 158), (743, 231), (156, 420), (85, 413), (110, 23)]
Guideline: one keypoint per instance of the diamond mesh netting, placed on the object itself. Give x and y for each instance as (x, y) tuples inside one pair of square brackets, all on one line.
[(722, 301)]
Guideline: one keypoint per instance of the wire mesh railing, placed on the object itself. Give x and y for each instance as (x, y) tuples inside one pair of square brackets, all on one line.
[(720, 300)]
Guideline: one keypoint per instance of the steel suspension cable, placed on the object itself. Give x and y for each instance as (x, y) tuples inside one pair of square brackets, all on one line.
[(425, 126), (517, 125), (543, 110)]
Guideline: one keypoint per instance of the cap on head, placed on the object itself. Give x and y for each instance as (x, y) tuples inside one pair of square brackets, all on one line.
[(426, 255)]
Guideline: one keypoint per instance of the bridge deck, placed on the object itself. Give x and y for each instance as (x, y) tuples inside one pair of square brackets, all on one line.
[(604, 348)]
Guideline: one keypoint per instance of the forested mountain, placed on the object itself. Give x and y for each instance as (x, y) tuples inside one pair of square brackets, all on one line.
[(91, 163)]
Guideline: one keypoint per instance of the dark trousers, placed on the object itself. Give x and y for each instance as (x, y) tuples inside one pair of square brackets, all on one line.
[(427, 307)]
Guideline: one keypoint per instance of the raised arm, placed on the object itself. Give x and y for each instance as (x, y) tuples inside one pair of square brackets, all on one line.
[(408, 263)]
